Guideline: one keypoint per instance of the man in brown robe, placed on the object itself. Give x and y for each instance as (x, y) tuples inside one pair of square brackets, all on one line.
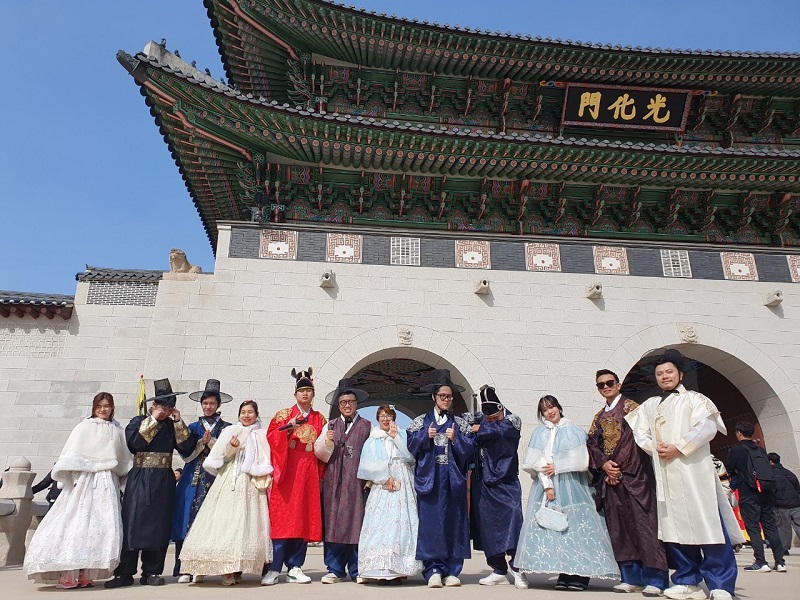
[(625, 492), (343, 498)]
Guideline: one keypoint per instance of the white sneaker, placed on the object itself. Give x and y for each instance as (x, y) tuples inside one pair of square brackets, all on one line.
[(720, 595), (781, 568), (435, 581), (520, 581), (652, 591), (494, 579), (198, 578), (271, 578), (185, 579), (627, 588), (360, 579), (452, 581), (685, 592), (296, 575), (331, 578)]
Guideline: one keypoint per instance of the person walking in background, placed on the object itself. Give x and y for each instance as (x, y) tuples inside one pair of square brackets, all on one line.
[(625, 492), (295, 511), (558, 461), (787, 501), (387, 545), (230, 535), (195, 481), (675, 429), (755, 481), (442, 446), (496, 494), (80, 538), (342, 491)]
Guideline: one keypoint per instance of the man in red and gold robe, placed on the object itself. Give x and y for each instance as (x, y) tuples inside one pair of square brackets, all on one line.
[(295, 512)]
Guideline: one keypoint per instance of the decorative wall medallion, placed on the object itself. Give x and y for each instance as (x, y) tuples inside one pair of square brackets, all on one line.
[(276, 243), (611, 260), (794, 267), (405, 335), (344, 247), (542, 257), (739, 266), (688, 333), (472, 255)]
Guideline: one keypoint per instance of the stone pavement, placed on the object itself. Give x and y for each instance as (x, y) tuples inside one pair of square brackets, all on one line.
[(756, 586)]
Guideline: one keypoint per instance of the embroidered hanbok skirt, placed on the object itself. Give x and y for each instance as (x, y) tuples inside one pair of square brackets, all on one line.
[(82, 530), (388, 542), (584, 548), (231, 531)]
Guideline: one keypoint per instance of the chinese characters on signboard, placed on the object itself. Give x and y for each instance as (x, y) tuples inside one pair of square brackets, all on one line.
[(626, 107)]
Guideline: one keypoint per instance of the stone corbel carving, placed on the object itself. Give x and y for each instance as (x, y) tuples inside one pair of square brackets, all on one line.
[(405, 335), (594, 291), (773, 298), (688, 333), (327, 279), (482, 287)]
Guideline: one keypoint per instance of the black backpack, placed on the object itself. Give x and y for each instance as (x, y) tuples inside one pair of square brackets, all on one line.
[(762, 478)]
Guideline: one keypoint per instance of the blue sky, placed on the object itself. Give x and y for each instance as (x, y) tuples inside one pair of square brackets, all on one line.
[(85, 177)]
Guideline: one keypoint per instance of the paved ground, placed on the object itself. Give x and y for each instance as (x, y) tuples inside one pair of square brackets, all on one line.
[(769, 586)]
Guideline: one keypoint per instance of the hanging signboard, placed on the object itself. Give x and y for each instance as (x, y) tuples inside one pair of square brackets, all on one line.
[(626, 107)]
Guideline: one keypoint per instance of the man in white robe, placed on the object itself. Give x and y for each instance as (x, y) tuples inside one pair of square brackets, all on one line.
[(676, 429)]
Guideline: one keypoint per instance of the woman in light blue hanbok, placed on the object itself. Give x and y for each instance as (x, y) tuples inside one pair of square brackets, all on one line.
[(558, 461), (388, 542)]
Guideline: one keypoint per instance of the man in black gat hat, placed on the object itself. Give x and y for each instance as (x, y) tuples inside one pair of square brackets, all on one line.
[(443, 446), (496, 494), (150, 489), (342, 492)]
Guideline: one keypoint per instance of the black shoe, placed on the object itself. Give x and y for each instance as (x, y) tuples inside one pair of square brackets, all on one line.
[(152, 580), (576, 587), (118, 582), (561, 585)]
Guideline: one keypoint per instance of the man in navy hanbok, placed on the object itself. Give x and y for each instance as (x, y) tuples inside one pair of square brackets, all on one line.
[(443, 446), (496, 495)]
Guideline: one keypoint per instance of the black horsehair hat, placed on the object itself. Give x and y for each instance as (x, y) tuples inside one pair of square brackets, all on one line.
[(212, 388), (163, 393), (346, 386), (490, 403), (440, 377)]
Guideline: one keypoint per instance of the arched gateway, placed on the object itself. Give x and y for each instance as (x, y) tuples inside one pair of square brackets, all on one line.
[(393, 362), (744, 382)]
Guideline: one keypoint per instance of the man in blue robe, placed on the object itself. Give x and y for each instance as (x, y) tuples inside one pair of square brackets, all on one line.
[(496, 495), (443, 446)]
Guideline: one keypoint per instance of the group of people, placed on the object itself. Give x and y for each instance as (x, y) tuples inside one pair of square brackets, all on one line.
[(637, 495)]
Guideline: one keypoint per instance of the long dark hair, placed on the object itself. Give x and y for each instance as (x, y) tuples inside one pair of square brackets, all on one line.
[(546, 402), (99, 398)]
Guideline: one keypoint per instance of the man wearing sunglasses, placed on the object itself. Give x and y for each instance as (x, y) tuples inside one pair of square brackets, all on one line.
[(625, 492)]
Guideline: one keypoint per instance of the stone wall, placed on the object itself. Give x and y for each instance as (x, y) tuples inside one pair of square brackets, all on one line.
[(253, 320)]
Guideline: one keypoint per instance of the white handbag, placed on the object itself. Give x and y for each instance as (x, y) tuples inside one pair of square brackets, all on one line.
[(551, 518)]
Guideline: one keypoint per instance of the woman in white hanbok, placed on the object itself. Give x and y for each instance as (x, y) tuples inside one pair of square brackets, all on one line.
[(558, 460), (230, 534), (388, 543), (80, 538)]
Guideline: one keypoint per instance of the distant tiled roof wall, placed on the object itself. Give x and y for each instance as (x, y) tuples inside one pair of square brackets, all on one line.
[(33, 341), (122, 292)]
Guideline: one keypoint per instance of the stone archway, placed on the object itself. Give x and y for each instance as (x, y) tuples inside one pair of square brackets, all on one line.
[(368, 358), (767, 389)]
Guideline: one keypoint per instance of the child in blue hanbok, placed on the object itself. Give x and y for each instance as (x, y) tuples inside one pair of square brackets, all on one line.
[(558, 460)]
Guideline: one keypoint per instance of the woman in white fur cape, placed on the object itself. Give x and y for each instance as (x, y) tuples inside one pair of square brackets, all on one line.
[(230, 534), (80, 538)]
